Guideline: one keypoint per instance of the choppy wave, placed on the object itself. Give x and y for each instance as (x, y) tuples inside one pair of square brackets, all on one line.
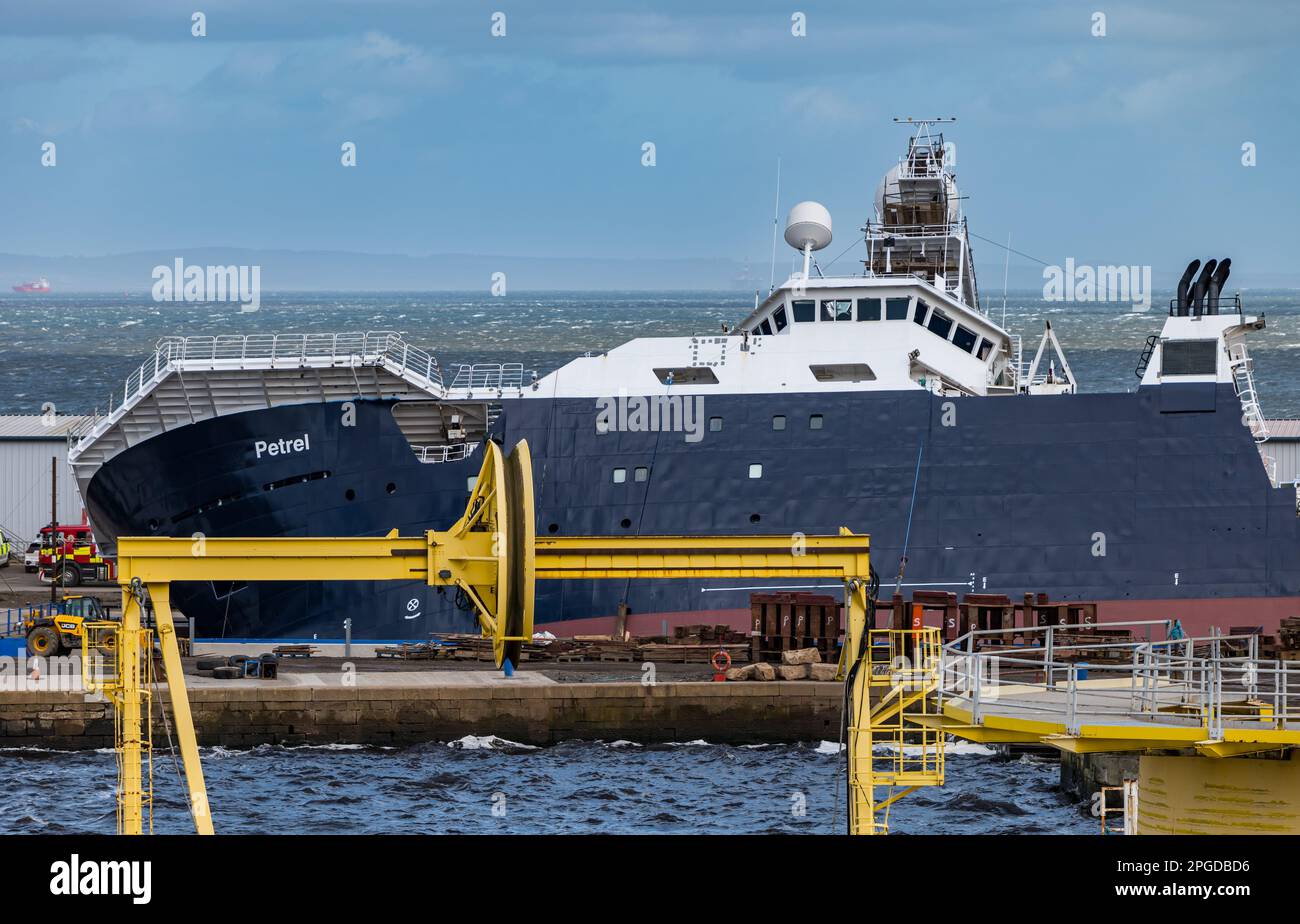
[(495, 785)]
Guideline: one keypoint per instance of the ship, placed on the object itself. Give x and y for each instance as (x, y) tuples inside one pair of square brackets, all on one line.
[(40, 286), (889, 401)]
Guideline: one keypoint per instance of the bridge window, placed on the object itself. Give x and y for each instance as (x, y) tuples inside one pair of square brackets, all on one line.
[(839, 309), (922, 309), (940, 325), (868, 309), (986, 347), (620, 475), (896, 309), (778, 319), (964, 339), (804, 311), (765, 327)]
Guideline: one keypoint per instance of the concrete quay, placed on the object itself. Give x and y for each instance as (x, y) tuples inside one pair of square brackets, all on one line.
[(407, 707)]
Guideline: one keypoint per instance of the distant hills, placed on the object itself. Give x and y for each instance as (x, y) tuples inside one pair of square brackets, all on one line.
[(320, 270)]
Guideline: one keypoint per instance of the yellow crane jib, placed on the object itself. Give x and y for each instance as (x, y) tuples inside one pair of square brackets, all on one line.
[(491, 555)]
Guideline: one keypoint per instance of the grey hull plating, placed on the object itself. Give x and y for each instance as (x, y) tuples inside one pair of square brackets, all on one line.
[(1153, 496)]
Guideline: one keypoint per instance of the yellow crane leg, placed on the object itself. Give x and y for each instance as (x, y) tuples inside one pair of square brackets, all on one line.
[(130, 796), (862, 808), (160, 594)]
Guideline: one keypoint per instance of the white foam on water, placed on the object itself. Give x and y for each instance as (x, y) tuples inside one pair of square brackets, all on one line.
[(951, 748), (487, 743), (697, 743)]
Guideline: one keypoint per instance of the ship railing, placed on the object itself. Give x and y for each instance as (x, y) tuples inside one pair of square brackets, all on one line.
[(923, 162), (875, 231), (448, 452), (491, 376), (1073, 674), (1221, 304), (237, 351)]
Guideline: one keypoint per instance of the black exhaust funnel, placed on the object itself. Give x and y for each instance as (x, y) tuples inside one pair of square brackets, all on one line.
[(1202, 283), (1216, 285), (1181, 305)]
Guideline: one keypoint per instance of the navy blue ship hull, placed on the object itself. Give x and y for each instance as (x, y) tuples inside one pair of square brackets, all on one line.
[(1156, 499)]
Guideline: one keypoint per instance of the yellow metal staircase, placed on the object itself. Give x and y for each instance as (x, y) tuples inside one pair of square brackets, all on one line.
[(891, 748)]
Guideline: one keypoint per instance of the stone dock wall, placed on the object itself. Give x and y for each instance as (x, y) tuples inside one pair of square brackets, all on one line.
[(249, 713)]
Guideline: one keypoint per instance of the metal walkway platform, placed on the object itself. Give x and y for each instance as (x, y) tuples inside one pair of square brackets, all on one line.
[(1210, 694)]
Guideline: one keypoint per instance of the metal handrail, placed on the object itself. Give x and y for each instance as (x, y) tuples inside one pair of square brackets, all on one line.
[(379, 347), (1167, 679), (489, 375), (450, 452)]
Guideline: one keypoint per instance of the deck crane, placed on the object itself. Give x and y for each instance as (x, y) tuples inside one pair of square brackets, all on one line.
[(493, 556)]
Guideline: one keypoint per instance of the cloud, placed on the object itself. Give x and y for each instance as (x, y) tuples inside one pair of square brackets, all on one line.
[(818, 106)]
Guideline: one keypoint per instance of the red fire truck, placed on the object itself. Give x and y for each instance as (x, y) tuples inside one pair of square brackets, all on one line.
[(70, 557)]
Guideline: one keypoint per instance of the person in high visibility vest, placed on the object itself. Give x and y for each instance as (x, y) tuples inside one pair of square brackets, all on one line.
[(4, 551)]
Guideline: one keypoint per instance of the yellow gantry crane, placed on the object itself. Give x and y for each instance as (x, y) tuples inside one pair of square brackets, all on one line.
[(491, 554)]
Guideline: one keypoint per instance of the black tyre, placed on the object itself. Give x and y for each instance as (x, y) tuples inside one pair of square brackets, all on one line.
[(68, 576), (269, 659), (227, 673), (106, 644), (44, 642), (207, 664), (237, 660)]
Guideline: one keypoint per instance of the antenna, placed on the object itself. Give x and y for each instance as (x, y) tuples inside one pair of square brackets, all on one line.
[(1006, 270), (776, 218)]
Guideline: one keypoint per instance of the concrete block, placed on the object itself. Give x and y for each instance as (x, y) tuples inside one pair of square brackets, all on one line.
[(801, 656), (822, 672)]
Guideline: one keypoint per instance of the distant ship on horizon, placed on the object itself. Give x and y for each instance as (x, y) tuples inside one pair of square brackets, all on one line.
[(39, 286)]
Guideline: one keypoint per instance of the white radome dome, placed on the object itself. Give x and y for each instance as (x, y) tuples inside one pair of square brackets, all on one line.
[(808, 224)]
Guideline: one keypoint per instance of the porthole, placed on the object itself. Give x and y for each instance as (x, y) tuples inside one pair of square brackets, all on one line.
[(756, 470), (553, 528), (390, 488), (815, 422), (470, 482), (641, 473), (350, 494), (778, 422), (715, 424), (153, 526), (626, 523), (620, 475), (754, 518)]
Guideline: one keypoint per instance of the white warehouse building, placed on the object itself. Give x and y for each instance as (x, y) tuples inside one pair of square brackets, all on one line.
[(27, 444)]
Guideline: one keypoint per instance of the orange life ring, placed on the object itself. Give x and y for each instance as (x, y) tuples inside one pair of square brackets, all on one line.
[(720, 655)]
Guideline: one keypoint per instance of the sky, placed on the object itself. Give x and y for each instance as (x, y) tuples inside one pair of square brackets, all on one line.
[(1125, 147)]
